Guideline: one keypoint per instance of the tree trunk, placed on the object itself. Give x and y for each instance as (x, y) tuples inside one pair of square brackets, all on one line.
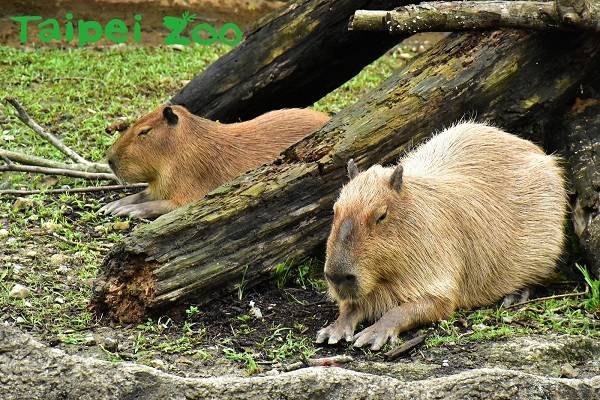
[(441, 16), (282, 212), (290, 60), (581, 133)]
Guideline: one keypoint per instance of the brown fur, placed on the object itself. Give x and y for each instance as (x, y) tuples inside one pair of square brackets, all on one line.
[(478, 214), (183, 162)]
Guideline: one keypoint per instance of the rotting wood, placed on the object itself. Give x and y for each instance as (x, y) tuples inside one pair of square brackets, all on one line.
[(282, 212), (476, 15)]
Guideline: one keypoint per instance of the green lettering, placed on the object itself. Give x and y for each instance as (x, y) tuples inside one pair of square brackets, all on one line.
[(137, 28), (23, 21), (237, 34), (85, 37), (114, 30), (69, 31), (195, 34), (51, 33)]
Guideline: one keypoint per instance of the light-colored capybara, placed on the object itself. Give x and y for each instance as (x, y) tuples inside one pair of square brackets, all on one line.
[(472, 215), (183, 157)]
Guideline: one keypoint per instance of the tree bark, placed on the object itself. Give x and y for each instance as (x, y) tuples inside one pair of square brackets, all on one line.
[(291, 59), (281, 212), (581, 133), (478, 15)]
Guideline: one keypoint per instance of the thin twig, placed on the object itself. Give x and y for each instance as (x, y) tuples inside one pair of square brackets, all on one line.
[(88, 189), (56, 142), (59, 171), (44, 162), (405, 347), (75, 243), (556, 296), (334, 361)]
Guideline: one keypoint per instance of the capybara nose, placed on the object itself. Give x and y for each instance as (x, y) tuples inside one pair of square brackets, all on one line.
[(341, 279)]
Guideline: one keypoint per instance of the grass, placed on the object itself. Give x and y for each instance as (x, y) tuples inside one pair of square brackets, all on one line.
[(76, 94)]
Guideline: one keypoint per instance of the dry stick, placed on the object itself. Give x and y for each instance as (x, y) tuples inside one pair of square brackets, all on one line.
[(58, 171), (475, 15), (334, 361), (89, 189), (44, 162), (405, 347), (100, 247), (556, 296), (56, 142)]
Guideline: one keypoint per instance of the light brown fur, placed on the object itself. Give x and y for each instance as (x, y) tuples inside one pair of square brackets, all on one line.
[(183, 162), (478, 215)]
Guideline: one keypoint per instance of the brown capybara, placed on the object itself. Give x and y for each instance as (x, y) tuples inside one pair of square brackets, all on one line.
[(472, 215), (183, 157)]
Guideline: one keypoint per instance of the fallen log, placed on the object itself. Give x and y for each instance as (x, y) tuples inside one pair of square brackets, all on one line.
[(292, 59), (581, 133), (444, 16), (282, 212)]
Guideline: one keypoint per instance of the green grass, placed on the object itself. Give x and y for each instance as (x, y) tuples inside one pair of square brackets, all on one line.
[(76, 94)]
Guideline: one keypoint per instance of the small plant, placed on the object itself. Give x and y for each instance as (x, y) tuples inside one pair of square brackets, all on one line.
[(246, 358), (242, 285), (592, 303), (192, 311)]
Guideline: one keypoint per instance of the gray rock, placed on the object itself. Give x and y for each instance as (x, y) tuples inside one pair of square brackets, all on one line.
[(31, 370)]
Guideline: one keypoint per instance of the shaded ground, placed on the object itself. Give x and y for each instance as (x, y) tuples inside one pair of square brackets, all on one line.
[(214, 12)]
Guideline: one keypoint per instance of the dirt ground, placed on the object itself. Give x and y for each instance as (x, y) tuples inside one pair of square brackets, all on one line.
[(214, 12)]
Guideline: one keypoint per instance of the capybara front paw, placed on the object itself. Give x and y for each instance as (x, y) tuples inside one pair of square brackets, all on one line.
[(335, 332), (375, 335)]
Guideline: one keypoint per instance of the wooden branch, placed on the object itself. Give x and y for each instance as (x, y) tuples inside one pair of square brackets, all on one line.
[(479, 15), (405, 347), (553, 297), (89, 189), (282, 212), (56, 142), (26, 159), (58, 171)]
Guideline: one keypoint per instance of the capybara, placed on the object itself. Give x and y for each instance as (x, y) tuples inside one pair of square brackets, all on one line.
[(470, 216), (182, 156)]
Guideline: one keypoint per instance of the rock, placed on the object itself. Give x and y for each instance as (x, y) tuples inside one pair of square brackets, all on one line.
[(31, 253), (120, 225), (255, 311), (157, 363), (19, 320), (59, 300), (510, 369), (89, 340), (567, 371), (19, 292), (50, 226), (110, 344), (23, 203), (58, 259), (3, 233)]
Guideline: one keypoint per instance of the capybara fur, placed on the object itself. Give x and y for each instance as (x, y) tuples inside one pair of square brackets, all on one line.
[(183, 157), (470, 216)]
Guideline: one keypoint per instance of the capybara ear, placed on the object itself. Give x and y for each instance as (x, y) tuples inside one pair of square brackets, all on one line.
[(170, 116), (352, 169), (396, 179)]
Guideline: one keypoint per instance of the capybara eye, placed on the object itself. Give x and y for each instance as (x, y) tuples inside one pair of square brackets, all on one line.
[(381, 217), (144, 132)]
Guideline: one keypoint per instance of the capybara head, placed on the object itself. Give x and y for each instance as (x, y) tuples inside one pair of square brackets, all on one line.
[(143, 150), (361, 231)]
